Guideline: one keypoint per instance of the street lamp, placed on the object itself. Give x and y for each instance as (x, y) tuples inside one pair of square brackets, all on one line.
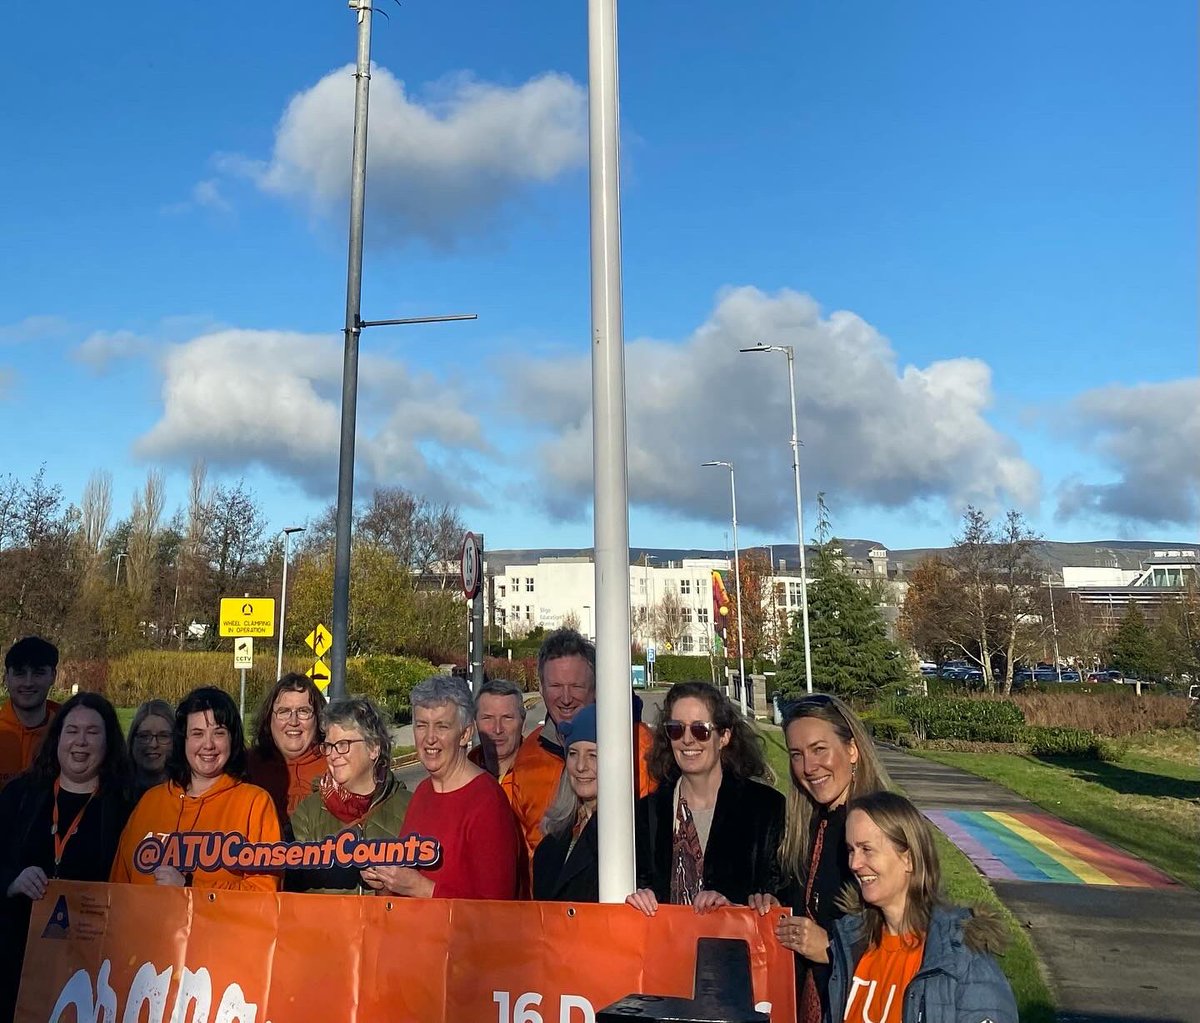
[(737, 582), (287, 542), (790, 353), (117, 574)]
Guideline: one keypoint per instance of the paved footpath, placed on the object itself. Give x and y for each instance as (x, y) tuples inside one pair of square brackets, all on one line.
[(1113, 953)]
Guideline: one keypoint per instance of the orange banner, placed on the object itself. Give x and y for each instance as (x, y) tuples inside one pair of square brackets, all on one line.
[(158, 954)]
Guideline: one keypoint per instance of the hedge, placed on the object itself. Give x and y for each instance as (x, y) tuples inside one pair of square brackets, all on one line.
[(961, 718), (389, 680), (1070, 742)]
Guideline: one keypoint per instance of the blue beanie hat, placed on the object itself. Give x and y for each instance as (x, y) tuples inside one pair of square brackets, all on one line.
[(582, 728)]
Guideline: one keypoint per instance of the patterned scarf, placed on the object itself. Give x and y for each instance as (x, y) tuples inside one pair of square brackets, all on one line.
[(347, 807), (687, 858), (810, 999)]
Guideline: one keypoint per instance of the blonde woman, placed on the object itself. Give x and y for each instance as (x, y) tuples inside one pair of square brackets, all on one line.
[(832, 761)]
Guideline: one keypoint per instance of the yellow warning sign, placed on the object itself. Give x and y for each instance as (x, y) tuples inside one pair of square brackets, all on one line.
[(247, 616), (319, 673), (319, 640)]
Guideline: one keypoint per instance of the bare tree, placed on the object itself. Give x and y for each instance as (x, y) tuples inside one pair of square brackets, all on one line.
[(667, 624), (141, 575), (95, 512)]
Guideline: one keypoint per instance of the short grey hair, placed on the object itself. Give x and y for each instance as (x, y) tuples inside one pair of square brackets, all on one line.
[(362, 715), (502, 687), (439, 690)]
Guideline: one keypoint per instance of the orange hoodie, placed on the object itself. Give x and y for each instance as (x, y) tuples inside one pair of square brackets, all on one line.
[(18, 744), (536, 773), (230, 805)]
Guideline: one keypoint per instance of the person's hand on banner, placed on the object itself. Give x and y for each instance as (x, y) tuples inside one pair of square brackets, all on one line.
[(706, 902), (31, 883), (763, 902), (643, 899), (399, 881), (169, 876)]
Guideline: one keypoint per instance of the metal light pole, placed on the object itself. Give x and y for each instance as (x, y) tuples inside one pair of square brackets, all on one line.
[(352, 330), (737, 582), (117, 574), (287, 541), (1054, 628), (614, 711), (790, 353)]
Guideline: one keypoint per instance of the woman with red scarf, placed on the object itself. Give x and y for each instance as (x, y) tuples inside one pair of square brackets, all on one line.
[(358, 792)]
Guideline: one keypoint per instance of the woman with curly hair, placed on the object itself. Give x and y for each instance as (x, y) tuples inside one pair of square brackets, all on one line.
[(708, 835)]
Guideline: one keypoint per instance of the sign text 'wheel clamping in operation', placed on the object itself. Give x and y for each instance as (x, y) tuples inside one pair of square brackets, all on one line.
[(243, 618)]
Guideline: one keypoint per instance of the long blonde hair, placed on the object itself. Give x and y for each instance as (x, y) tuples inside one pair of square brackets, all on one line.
[(869, 776)]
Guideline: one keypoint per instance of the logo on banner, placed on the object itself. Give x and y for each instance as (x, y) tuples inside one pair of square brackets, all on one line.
[(59, 924)]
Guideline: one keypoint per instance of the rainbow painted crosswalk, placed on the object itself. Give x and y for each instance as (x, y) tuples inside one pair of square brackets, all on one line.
[(1039, 847)]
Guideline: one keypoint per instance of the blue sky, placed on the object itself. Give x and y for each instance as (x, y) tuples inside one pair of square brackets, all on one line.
[(975, 223)]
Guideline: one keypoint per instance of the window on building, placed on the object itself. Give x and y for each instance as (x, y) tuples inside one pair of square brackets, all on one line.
[(700, 588), (794, 591), (702, 615), (685, 615), (514, 585), (685, 645), (529, 584), (685, 587), (500, 594), (529, 612)]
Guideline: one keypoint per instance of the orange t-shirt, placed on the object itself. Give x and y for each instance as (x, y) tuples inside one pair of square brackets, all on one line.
[(881, 978)]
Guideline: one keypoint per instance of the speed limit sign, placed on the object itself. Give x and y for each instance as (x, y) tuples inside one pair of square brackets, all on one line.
[(472, 566)]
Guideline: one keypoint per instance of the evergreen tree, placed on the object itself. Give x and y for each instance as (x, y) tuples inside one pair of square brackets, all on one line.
[(1134, 650), (852, 655)]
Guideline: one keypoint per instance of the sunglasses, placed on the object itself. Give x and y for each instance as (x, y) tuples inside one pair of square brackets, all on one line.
[(701, 731)]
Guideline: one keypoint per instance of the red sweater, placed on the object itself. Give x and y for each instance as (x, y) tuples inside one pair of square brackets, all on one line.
[(478, 835)]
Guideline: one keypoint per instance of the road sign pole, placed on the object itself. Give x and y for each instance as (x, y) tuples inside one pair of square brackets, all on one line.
[(242, 698), (477, 650)]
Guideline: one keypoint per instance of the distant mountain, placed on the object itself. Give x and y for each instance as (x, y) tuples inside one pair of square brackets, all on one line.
[(1125, 554)]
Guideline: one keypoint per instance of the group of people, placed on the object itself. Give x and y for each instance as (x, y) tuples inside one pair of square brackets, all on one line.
[(514, 816)]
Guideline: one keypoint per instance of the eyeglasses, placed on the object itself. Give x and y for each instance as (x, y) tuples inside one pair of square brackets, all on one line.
[(153, 738), (701, 730), (301, 713), (342, 746)]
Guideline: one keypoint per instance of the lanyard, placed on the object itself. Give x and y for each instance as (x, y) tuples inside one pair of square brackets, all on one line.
[(60, 841)]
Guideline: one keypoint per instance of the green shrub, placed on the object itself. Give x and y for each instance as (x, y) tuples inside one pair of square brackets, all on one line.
[(977, 720), (886, 729), (389, 680), (1063, 742)]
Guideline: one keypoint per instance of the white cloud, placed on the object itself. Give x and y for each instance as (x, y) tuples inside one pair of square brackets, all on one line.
[(103, 347), (873, 434), (239, 398), (440, 166), (34, 328), (1150, 436)]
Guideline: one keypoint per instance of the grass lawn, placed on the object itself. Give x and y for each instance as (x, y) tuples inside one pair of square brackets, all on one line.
[(964, 884), (1145, 803)]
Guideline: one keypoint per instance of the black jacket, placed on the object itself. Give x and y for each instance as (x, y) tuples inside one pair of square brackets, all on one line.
[(558, 877), (742, 852)]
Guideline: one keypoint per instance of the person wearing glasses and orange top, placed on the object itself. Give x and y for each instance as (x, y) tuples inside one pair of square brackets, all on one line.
[(358, 792), (708, 836), (284, 758), (61, 818), (149, 743), (832, 761), (206, 791)]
